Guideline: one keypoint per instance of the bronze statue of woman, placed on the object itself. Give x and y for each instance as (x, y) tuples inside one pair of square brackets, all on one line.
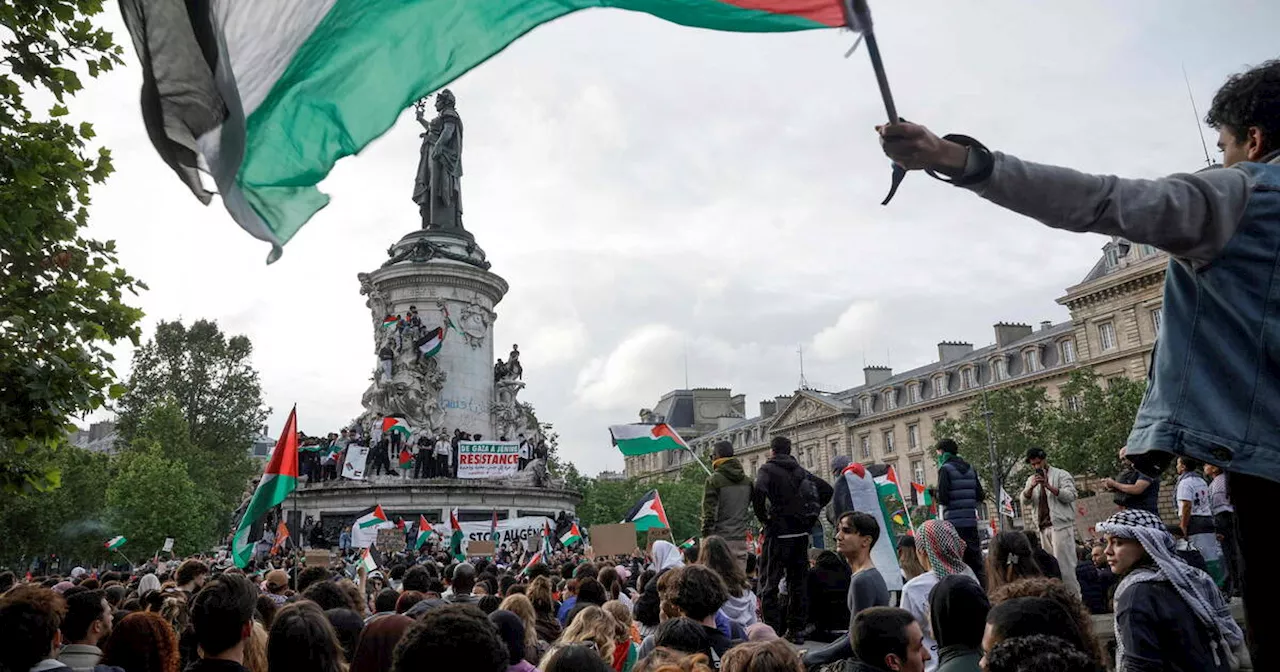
[(438, 187)]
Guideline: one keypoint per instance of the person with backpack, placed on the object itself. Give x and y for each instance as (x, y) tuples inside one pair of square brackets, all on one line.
[(959, 491), (787, 500)]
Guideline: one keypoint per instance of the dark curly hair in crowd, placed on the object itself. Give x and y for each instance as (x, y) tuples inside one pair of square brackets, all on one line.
[(311, 575), (1038, 653), (302, 638), (328, 595), (1249, 99), (142, 642), (455, 637), (29, 618)]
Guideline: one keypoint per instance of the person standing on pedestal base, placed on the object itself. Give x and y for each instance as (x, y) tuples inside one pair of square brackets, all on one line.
[(959, 491), (1052, 491)]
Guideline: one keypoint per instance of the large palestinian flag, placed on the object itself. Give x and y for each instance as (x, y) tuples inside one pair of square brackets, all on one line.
[(267, 95), (642, 439), (866, 495), (278, 480), (648, 513)]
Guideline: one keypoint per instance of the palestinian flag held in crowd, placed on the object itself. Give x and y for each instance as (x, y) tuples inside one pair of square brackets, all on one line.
[(688, 543), (406, 459), (364, 532), (573, 536), (925, 498), (368, 561), (397, 425), (278, 480), (424, 531), (430, 344), (390, 321), (642, 439), (546, 539), (648, 513), (266, 97), (455, 538), (537, 557), (115, 542)]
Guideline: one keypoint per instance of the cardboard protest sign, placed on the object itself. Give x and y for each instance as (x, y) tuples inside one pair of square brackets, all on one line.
[(317, 558), (659, 533), (390, 540), (476, 549), (619, 539)]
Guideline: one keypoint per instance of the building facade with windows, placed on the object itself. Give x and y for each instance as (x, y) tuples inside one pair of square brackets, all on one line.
[(890, 418)]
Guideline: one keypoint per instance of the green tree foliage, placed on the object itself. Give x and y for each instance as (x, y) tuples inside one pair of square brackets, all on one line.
[(606, 502), (195, 392), (1093, 422), (152, 497), (63, 293), (1018, 422), (66, 521)]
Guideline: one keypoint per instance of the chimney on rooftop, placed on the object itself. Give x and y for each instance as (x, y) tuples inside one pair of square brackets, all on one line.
[(1046, 325), (874, 375), (1007, 332), (949, 351)]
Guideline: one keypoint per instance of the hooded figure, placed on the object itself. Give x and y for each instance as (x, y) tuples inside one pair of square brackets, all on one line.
[(726, 500), (958, 616)]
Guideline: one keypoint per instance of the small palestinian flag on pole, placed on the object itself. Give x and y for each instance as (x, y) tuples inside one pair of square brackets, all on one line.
[(537, 557), (424, 532), (367, 560), (390, 321), (455, 538), (430, 344), (643, 439), (398, 426), (688, 543), (891, 500), (573, 536), (546, 539), (925, 498), (406, 459), (114, 543), (648, 513), (278, 480)]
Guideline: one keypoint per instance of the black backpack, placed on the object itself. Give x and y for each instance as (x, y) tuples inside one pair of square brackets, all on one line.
[(810, 503)]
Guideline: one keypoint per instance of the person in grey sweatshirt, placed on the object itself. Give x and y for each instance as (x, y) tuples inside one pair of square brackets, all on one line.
[(856, 534), (1214, 384)]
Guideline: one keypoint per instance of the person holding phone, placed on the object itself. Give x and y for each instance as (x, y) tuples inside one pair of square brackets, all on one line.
[(1052, 493)]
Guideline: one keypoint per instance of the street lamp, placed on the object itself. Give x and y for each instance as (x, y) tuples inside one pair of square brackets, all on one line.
[(991, 452)]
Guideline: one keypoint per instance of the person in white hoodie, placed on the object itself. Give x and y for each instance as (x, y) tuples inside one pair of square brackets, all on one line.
[(742, 605)]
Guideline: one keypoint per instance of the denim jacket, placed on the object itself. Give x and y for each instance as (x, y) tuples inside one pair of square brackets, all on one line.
[(1214, 383)]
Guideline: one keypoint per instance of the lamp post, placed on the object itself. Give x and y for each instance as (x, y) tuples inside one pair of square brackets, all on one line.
[(991, 452)]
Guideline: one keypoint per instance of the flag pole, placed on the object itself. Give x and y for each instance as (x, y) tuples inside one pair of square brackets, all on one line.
[(294, 496), (126, 558), (859, 19)]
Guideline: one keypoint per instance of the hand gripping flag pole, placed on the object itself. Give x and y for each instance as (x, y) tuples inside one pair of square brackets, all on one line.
[(859, 17)]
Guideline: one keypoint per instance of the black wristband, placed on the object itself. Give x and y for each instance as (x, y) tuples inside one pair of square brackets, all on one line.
[(977, 166)]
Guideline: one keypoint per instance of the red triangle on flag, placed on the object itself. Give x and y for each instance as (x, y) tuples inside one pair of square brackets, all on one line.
[(284, 459), (658, 509)]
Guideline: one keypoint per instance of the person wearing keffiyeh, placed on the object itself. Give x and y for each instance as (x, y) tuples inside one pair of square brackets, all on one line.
[(1169, 615), (941, 551)]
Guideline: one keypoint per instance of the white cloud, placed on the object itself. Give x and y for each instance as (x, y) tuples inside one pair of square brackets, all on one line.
[(851, 332)]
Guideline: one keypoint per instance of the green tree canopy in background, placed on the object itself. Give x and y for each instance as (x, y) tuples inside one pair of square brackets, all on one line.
[(1092, 422), (63, 293), (1018, 418), (68, 520), (606, 502), (195, 392), (152, 497)]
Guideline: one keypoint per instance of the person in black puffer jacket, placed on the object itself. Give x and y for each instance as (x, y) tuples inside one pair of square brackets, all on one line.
[(959, 492)]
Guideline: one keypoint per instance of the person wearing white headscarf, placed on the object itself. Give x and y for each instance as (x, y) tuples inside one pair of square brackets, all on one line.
[(647, 607), (148, 583), (1169, 615), (666, 556)]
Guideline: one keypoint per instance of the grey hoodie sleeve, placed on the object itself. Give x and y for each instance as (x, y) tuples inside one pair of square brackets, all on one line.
[(1192, 216)]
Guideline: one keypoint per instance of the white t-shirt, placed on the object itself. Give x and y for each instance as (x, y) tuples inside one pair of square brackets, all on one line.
[(443, 448), (1193, 489)]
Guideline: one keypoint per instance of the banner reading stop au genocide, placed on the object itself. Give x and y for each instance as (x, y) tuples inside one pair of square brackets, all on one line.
[(488, 459)]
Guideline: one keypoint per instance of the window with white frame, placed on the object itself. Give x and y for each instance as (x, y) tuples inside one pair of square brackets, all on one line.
[(940, 385), (1001, 368), (1107, 335), (1157, 314), (1031, 360), (1067, 349), (913, 392), (890, 399), (917, 471), (913, 437), (888, 441), (968, 378), (864, 442), (864, 404), (1073, 404)]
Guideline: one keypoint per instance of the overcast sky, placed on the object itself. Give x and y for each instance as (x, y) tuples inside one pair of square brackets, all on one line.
[(650, 190)]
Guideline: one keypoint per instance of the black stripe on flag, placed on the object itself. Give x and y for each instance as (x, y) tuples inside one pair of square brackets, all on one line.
[(177, 43)]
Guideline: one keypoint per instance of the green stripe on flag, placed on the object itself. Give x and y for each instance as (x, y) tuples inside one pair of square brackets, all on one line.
[(272, 491), (367, 61)]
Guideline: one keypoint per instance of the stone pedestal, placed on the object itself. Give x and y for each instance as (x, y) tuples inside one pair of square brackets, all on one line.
[(444, 275)]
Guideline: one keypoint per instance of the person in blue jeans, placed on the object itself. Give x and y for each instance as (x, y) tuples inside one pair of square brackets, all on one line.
[(1214, 385)]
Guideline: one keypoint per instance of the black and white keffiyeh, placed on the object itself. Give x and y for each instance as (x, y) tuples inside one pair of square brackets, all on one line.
[(1195, 587)]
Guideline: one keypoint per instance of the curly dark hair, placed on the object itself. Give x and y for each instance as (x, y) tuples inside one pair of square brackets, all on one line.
[(1038, 653), (701, 592), (1057, 591), (142, 642), (312, 575), (1249, 99), (458, 637), (189, 571)]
